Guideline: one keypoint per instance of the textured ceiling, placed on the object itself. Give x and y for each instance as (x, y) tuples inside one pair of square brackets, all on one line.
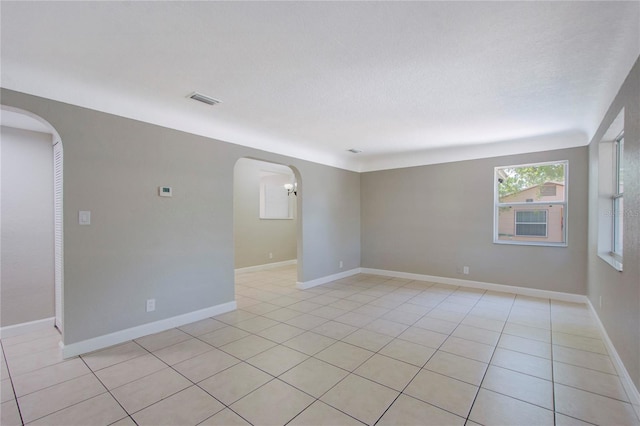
[(406, 82)]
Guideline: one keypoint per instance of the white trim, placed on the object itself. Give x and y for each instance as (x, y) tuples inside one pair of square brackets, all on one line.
[(111, 339), (629, 387), (323, 280), (525, 291), (266, 266), (26, 327)]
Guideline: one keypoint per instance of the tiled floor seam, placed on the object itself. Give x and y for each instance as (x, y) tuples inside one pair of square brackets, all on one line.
[(108, 391), (15, 396), (55, 384), (241, 361), (130, 414), (407, 385), (580, 349), (69, 406), (341, 380), (467, 419), (423, 366), (380, 295), (511, 396)]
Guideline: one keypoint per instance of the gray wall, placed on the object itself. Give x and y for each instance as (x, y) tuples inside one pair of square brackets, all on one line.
[(620, 291), (178, 250), (436, 219), (255, 238), (27, 290)]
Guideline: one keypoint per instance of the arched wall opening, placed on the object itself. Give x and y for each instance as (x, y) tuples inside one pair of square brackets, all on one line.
[(32, 223), (267, 221)]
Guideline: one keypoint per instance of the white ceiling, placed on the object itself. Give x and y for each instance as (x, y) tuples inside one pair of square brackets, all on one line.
[(408, 83)]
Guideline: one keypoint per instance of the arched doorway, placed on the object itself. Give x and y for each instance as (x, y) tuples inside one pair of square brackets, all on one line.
[(24, 123), (267, 229)]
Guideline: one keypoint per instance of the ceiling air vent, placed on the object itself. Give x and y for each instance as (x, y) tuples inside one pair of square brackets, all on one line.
[(204, 98), (354, 151)]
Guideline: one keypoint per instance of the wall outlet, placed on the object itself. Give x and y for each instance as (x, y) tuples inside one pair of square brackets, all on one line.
[(151, 305), (270, 255), (465, 270), (341, 264)]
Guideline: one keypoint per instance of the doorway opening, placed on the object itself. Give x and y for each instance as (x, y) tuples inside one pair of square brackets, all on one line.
[(267, 233), (32, 236)]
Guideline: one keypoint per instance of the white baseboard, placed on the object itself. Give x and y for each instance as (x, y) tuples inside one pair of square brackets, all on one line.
[(121, 336), (625, 378), (525, 291), (266, 266), (26, 327), (323, 280)]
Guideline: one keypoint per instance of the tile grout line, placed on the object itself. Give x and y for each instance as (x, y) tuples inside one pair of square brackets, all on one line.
[(419, 368), (349, 372), (379, 294), (353, 372), (174, 393), (15, 396), (266, 372), (490, 359), (502, 332), (439, 349), (109, 391), (198, 383), (553, 381), (424, 315), (91, 372), (425, 363), (418, 320)]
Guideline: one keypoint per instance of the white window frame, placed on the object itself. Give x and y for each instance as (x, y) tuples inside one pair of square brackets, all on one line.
[(616, 212), (609, 219), (497, 205), (546, 223)]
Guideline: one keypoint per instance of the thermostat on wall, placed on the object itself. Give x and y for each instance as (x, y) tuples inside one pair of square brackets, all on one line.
[(164, 191)]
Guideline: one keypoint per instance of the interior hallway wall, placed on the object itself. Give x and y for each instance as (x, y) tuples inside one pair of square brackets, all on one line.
[(27, 265)]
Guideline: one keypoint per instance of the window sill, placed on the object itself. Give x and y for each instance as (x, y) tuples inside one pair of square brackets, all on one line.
[(611, 260), (530, 243)]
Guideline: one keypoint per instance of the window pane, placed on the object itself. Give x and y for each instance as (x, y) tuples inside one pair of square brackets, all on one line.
[(532, 216), (533, 183), (618, 221), (536, 224), (620, 164), (531, 229)]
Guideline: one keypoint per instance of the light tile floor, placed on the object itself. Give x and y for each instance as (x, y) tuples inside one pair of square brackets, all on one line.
[(365, 349)]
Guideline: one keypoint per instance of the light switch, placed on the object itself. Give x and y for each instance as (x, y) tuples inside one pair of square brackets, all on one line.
[(84, 217)]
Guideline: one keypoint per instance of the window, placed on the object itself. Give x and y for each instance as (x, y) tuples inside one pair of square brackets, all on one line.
[(531, 223), (610, 219), (530, 205), (617, 198)]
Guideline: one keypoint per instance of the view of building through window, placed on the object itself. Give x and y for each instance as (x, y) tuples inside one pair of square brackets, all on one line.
[(531, 204)]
